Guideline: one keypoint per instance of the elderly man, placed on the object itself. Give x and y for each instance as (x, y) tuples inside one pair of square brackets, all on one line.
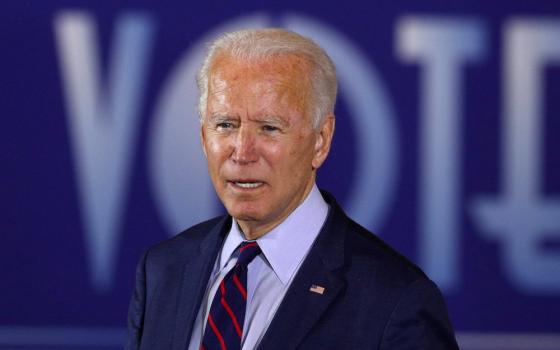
[(286, 269)]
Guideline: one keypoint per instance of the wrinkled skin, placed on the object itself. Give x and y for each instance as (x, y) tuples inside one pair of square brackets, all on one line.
[(258, 138)]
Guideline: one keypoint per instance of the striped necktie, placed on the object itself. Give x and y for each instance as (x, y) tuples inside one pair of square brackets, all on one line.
[(224, 326)]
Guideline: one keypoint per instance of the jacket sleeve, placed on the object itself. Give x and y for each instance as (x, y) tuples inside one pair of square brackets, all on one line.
[(419, 320), (137, 307)]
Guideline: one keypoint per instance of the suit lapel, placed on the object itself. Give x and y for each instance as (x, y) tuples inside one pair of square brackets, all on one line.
[(301, 308), (196, 272)]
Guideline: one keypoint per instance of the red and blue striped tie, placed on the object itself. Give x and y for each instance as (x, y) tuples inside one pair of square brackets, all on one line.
[(224, 327)]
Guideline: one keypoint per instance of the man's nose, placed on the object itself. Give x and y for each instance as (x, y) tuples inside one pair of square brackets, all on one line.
[(244, 146)]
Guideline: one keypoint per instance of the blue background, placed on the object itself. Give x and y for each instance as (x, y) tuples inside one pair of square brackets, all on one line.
[(47, 292)]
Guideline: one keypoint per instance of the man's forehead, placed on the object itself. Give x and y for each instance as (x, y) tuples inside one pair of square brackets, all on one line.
[(287, 65), (277, 75), (277, 85)]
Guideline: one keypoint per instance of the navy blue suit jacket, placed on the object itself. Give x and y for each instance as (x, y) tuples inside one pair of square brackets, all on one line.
[(374, 298)]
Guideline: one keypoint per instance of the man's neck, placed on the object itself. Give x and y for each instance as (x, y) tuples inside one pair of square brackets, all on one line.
[(253, 229)]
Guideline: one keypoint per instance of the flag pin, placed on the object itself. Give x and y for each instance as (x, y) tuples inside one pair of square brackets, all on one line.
[(317, 289)]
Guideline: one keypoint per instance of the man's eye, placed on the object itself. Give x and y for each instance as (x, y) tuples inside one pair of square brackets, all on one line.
[(224, 125), (269, 128)]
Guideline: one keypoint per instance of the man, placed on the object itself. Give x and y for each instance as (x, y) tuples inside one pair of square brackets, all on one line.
[(286, 268)]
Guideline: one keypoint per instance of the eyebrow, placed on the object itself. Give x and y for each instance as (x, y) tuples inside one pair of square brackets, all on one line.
[(220, 117), (273, 119)]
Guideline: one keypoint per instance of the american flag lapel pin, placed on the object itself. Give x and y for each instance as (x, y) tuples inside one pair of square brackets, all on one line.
[(317, 289)]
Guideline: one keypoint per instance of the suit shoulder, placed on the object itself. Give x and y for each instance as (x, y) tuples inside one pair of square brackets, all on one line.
[(186, 239), (369, 254), (368, 249)]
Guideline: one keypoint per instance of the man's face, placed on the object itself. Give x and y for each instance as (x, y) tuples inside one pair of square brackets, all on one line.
[(258, 138)]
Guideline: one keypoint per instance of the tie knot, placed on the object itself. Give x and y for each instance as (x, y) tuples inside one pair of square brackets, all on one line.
[(247, 252)]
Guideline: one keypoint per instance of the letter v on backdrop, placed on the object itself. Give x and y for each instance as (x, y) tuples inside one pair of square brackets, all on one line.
[(103, 120)]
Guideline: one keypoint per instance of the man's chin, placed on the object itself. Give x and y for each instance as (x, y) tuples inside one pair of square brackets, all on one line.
[(244, 216), (244, 209)]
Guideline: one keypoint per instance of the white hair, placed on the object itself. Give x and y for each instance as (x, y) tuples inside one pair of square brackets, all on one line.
[(261, 44)]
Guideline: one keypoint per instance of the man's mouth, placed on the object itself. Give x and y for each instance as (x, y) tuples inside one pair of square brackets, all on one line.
[(248, 184)]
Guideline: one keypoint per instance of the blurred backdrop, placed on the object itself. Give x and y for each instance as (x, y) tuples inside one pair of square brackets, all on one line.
[(446, 147)]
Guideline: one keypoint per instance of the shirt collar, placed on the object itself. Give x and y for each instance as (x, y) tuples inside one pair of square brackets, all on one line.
[(287, 244)]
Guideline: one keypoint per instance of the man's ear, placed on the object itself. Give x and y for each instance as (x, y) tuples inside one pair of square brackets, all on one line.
[(323, 141), (203, 139)]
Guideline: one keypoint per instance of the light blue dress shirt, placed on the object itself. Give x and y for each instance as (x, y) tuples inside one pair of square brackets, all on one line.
[(283, 250)]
